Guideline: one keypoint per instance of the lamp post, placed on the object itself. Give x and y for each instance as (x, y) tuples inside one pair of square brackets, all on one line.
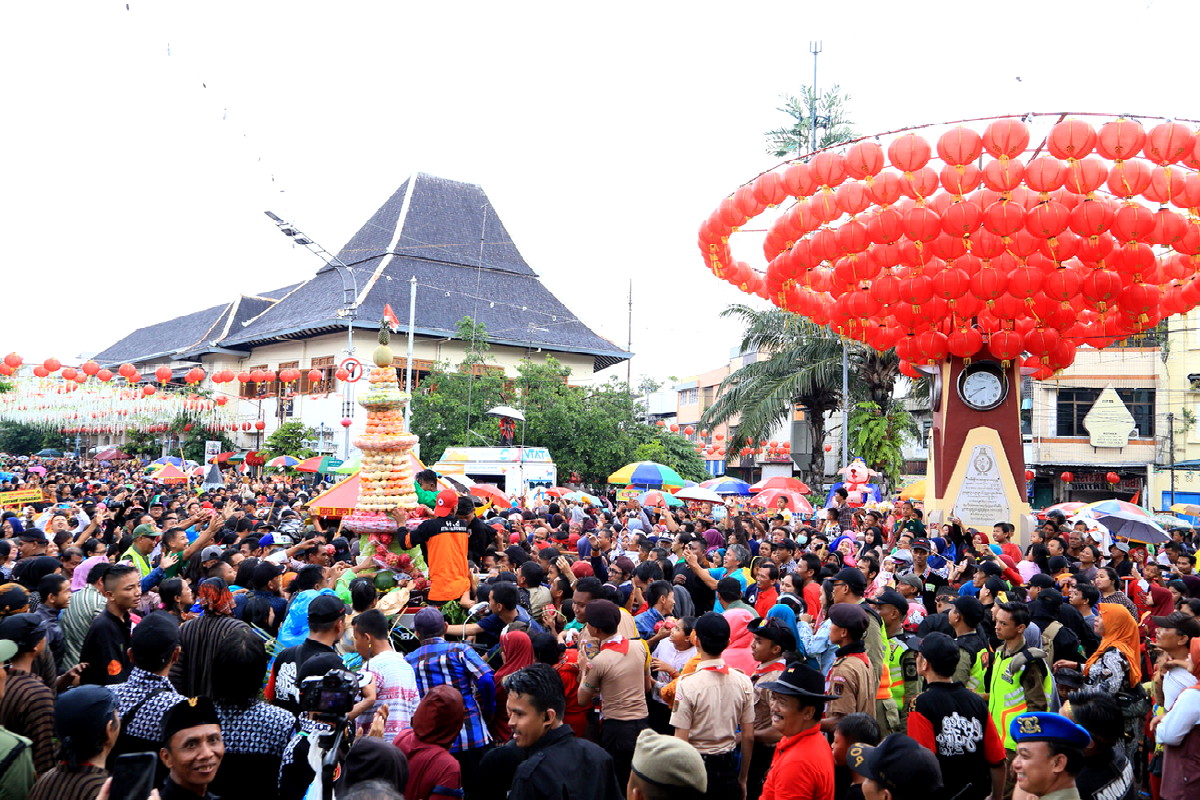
[(349, 310)]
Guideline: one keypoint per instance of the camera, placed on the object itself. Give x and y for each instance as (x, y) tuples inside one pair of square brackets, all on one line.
[(332, 694)]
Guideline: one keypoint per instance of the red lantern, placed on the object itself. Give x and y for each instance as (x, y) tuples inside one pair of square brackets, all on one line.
[(1067, 477), (342, 375), (245, 426), (660, 423), (704, 432), (347, 422), (69, 373), (260, 425), (268, 376), (5, 369), (689, 430), (221, 400), (243, 377), (1029, 475), (104, 375), (1112, 478), (125, 370), (828, 448), (194, 375), (1120, 139), (90, 368), (315, 376), (187, 427), (51, 364), (40, 371), (13, 360), (163, 374), (674, 428), (1071, 139), (147, 390), (80, 377), (719, 436)]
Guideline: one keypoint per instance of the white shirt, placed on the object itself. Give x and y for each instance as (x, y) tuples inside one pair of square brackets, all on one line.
[(396, 685), (1175, 682), (1180, 720)]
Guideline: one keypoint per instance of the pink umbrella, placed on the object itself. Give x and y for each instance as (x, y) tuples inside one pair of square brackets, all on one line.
[(40, 470), (796, 501), (781, 482)]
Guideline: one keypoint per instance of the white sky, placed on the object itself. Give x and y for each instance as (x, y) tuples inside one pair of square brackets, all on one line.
[(141, 146)]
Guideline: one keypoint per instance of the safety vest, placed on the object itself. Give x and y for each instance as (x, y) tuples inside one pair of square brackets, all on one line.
[(885, 689), (897, 648), (1006, 697), (138, 560), (979, 670)]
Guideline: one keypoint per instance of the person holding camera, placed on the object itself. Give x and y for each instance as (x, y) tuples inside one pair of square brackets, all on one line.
[(328, 695)]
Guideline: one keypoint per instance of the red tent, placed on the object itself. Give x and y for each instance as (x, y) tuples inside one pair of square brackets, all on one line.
[(338, 501), (169, 474)]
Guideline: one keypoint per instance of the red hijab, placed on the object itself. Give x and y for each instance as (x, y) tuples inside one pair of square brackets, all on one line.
[(517, 650)]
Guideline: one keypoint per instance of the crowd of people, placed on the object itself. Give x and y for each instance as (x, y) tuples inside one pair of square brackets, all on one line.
[(588, 651)]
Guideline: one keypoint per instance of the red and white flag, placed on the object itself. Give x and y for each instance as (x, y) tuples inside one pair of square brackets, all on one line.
[(389, 317)]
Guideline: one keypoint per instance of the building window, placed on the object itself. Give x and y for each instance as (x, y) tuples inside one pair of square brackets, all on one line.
[(420, 370), (1074, 405), (689, 397), (1153, 337), (709, 396), (326, 367), (253, 390)]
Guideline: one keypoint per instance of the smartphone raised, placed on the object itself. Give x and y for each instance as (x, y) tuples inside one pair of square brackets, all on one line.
[(133, 776)]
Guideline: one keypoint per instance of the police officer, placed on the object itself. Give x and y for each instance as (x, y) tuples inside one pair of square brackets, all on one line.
[(974, 654), (899, 652), (1018, 678), (1049, 754), (897, 769), (850, 680)]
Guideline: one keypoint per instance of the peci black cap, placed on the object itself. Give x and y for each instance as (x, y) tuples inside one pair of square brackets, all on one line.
[(899, 764), (851, 616), (189, 713)]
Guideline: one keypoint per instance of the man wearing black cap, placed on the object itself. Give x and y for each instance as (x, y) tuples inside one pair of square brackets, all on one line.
[(191, 749), (930, 580), (973, 652), (87, 725), (711, 705), (897, 769), (326, 624), (27, 707), (901, 652), (954, 724), (849, 586), (802, 768), (850, 682)]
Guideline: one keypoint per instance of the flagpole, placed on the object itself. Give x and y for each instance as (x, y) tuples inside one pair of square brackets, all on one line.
[(408, 364)]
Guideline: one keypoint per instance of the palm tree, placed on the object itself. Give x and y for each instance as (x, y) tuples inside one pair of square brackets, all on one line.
[(803, 367), (833, 122)]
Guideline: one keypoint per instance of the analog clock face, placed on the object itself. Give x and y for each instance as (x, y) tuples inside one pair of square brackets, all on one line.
[(982, 390)]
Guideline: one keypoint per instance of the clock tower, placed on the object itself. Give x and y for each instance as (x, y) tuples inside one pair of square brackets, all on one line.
[(976, 462)]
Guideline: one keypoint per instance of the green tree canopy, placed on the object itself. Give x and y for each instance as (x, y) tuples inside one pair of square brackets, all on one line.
[(289, 439), (877, 437), (19, 439)]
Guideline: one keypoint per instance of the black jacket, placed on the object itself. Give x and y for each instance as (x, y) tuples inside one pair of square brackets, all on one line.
[(105, 649), (563, 766)]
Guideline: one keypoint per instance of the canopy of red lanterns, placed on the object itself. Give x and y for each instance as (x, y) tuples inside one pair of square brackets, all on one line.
[(992, 242)]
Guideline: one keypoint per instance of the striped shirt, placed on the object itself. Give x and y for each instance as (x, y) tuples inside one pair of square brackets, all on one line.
[(85, 606), (66, 783), (439, 662), (27, 709), (200, 647)]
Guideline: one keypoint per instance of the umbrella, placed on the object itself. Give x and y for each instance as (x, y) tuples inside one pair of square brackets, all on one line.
[(647, 473), (657, 499), (781, 482), (350, 467), (489, 492), (460, 483), (699, 494), (111, 454), (1136, 525), (726, 485), (1115, 507), (49, 452), (506, 411), (236, 458), (319, 464), (558, 491), (1068, 509), (174, 460), (282, 462), (914, 491), (1190, 509), (1167, 521), (40, 470), (221, 458), (338, 501), (797, 503), (198, 472), (581, 497)]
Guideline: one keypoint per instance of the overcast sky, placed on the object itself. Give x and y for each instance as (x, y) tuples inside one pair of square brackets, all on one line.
[(142, 144)]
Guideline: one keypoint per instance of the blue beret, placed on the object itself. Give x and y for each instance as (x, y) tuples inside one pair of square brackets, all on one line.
[(1040, 726)]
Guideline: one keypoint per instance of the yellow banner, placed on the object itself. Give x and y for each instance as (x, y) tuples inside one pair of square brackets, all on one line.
[(21, 497)]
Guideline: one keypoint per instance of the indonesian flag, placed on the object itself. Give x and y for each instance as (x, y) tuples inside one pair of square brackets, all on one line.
[(389, 317)]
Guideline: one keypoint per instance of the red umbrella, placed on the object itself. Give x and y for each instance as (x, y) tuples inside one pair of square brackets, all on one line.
[(489, 492), (221, 458), (781, 482), (558, 491), (797, 503)]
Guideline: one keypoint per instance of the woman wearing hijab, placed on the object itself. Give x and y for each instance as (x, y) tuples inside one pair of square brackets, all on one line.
[(737, 654), (787, 616), (1116, 664), (200, 639), (373, 759), (433, 773), (517, 651)]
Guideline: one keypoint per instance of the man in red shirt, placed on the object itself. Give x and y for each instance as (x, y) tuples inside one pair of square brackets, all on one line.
[(1001, 534), (802, 768)]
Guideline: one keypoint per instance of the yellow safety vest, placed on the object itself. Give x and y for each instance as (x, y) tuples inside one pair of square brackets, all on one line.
[(896, 651), (1006, 697)]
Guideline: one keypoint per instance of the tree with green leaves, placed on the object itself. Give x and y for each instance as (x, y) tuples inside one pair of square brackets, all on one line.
[(20, 439), (877, 437), (802, 368), (289, 439), (833, 122)]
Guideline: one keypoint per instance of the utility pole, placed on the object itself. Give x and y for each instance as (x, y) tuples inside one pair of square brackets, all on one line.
[(1171, 445), (629, 346)]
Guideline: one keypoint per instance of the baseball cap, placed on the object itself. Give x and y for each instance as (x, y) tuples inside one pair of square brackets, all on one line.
[(921, 544), (1183, 623), (938, 647), (26, 630), (267, 540), (775, 631), (890, 597), (1122, 546), (446, 503), (1042, 581), (899, 764), (855, 581), (146, 530), (428, 622), (211, 553), (668, 761), (970, 609), (325, 608)]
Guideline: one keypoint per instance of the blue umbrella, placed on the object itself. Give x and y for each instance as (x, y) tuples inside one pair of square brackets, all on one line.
[(727, 485), (176, 460)]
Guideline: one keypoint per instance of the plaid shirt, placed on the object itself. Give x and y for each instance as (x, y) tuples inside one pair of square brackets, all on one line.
[(438, 662)]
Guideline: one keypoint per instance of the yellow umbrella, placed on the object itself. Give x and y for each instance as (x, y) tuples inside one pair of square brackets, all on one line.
[(914, 491), (1190, 509)]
